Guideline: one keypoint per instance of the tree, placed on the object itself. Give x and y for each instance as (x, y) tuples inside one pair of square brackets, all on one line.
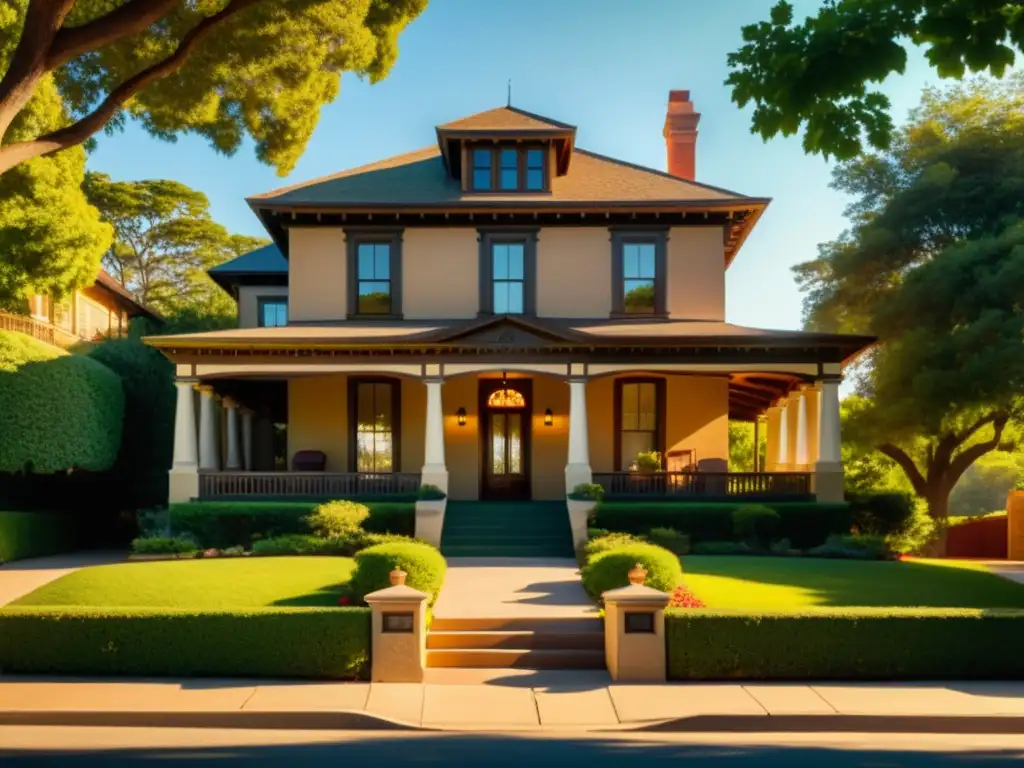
[(223, 69), (934, 266), (815, 74), (983, 487), (741, 446), (164, 242)]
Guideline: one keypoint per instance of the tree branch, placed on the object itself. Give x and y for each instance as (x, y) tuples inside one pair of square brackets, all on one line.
[(907, 464), (961, 463)]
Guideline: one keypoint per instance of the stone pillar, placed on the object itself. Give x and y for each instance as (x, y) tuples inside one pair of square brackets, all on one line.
[(828, 470), (234, 450), (208, 448), (782, 444), (771, 439), (435, 471), (247, 439), (577, 468), (183, 478), (634, 631), (398, 652), (792, 414), (801, 459)]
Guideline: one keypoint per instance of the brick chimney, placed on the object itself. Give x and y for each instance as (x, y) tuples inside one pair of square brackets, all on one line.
[(681, 135)]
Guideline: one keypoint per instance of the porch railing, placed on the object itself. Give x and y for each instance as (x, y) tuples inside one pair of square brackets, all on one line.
[(338, 485), (38, 329), (705, 484)]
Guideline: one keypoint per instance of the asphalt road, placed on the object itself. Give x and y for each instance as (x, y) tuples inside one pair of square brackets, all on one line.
[(73, 746)]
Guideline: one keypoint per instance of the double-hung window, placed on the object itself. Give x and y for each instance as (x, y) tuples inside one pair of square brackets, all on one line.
[(507, 260), (374, 420), (639, 405), (375, 265), (638, 273), (272, 312)]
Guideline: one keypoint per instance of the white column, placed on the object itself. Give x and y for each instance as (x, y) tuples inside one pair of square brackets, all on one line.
[(183, 477), (828, 470), (247, 439), (208, 448), (801, 460), (577, 468), (234, 458), (435, 471), (782, 451), (771, 439)]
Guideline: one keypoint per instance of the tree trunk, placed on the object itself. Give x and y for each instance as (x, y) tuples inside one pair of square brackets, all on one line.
[(937, 497)]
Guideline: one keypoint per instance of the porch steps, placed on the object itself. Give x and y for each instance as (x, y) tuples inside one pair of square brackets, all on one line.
[(506, 529), (519, 643)]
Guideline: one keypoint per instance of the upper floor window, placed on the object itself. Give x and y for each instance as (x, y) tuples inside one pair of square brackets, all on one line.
[(272, 312), (507, 270), (638, 272), (508, 277), (509, 169), (535, 169), (482, 168), (375, 265)]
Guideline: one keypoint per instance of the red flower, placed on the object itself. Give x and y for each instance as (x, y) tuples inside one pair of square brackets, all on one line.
[(682, 597), (343, 600)]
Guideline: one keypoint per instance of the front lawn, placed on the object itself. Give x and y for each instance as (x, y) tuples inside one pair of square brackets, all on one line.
[(784, 584), (206, 584)]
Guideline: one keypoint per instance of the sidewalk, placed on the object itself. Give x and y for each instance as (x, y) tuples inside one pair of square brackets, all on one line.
[(20, 577), (516, 700)]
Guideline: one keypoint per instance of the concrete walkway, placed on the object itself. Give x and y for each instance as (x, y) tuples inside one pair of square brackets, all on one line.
[(513, 588), (20, 577), (518, 701)]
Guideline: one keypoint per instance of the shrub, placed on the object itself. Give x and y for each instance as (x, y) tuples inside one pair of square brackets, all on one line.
[(587, 492), (164, 545), (397, 517), (852, 547), (917, 535), (33, 534), (609, 541), (326, 643), (881, 514), (723, 548), (430, 492), (610, 569), (670, 539), (755, 523), (305, 544), (850, 644), (784, 548), (423, 564), (153, 522), (648, 461), (337, 518), (57, 411)]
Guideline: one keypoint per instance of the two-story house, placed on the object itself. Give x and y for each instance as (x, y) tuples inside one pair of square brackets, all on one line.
[(504, 315)]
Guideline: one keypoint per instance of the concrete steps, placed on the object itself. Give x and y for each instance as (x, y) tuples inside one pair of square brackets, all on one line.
[(506, 529), (520, 658), (525, 640)]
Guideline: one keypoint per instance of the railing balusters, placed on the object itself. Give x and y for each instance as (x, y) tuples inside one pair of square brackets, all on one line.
[(214, 485), (697, 484)]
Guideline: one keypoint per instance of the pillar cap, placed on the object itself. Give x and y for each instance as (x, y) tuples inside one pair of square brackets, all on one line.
[(396, 594), (206, 389), (229, 402), (638, 595)]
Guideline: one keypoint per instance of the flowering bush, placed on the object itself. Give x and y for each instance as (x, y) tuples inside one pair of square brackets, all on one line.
[(683, 597), (344, 600)]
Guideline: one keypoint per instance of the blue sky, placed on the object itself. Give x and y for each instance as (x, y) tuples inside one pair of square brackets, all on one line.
[(603, 65)]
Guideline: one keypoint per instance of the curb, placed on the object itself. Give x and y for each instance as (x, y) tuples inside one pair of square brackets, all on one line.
[(294, 720), (954, 724)]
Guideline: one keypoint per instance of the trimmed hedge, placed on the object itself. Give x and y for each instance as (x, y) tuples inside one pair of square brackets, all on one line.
[(330, 643), (851, 644), (424, 566), (230, 523), (804, 523), (33, 534), (881, 514), (610, 569)]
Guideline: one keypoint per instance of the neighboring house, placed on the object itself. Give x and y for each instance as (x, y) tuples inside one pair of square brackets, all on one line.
[(103, 309), (504, 315)]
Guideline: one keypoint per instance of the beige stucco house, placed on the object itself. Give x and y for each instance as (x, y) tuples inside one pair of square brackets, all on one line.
[(504, 315)]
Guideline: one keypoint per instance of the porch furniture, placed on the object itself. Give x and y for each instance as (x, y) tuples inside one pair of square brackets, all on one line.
[(309, 461)]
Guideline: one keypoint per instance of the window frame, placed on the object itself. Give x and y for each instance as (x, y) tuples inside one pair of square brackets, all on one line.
[(660, 416), (658, 238), (362, 236), (353, 422), (521, 150), (262, 301), (488, 238)]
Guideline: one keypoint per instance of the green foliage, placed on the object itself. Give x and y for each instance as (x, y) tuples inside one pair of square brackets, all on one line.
[(430, 492), (304, 544), (814, 75), (164, 545), (741, 446), (806, 524), (755, 523), (670, 539), (587, 492), (337, 519), (326, 643), (852, 547), (608, 541), (724, 548), (881, 514), (984, 486), (610, 569), (955, 521), (851, 644), (57, 411), (34, 534), (423, 564), (648, 461), (917, 536)]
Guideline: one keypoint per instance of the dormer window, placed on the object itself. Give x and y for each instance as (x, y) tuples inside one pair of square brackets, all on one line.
[(506, 168)]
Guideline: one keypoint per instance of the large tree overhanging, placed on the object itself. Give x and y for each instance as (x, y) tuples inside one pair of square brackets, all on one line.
[(274, 65), (815, 74)]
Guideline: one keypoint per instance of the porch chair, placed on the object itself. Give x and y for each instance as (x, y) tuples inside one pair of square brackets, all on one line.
[(309, 461)]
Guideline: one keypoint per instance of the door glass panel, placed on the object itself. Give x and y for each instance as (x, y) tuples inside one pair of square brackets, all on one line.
[(515, 444), (498, 444)]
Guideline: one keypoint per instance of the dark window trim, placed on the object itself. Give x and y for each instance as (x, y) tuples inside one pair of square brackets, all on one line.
[(396, 419), (621, 236), (261, 301), (487, 237), (660, 389), (393, 237), (521, 148)]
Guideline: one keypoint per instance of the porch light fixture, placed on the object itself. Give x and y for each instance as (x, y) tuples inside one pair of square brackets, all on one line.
[(549, 418), (461, 414)]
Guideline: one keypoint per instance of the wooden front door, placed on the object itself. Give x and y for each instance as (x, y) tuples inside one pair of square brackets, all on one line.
[(505, 438)]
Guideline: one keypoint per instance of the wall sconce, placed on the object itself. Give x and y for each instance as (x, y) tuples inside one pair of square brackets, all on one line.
[(549, 417), (461, 414)]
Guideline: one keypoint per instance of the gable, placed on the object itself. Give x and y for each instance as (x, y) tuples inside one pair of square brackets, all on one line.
[(503, 331)]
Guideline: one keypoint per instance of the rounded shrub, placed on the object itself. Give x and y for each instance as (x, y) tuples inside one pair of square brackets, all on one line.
[(610, 569), (755, 523), (609, 541), (424, 565), (337, 519)]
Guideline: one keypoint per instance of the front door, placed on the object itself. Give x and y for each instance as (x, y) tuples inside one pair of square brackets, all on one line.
[(505, 438)]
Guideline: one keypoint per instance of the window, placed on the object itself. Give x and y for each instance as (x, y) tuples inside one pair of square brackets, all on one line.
[(509, 178), (507, 260), (508, 169), (535, 169), (482, 169), (638, 273), (374, 409), (639, 416), (375, 263), (272, 312)]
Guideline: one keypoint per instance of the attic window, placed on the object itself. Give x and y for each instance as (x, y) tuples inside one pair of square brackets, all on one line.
[(508, 168)]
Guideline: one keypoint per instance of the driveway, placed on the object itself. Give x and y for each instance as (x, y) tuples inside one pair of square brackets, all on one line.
[(20, 577)]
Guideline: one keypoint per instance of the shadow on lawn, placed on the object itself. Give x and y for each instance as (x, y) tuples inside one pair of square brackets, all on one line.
[(325, 596)]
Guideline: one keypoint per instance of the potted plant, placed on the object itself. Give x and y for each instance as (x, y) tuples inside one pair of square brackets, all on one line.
[(582, 502), (430, 506), (647, 480)]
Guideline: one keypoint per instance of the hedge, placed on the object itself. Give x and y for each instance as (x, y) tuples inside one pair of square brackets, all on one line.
[(610, 569), (851, 644), (231, 523), (805, 524), (57, 411), (424, 566), (33, 534), (331, 643)]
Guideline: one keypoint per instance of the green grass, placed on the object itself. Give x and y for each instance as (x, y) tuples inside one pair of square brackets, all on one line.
[(227, 583), (786, 584)]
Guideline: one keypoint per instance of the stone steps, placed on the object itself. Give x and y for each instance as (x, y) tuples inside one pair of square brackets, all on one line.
[(506, 529), (520, 658), (516, 639), (522, 643)]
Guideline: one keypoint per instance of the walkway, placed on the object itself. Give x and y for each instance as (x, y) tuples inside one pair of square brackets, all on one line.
[(20, 577)]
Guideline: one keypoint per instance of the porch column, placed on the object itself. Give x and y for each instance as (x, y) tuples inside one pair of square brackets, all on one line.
[(782, 447), (247, 439), (435, 471), (577, 469), (771, 438), (828, 470), (208, 449), (183, 478), (801, 459), (234, 459), (757, 443)]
